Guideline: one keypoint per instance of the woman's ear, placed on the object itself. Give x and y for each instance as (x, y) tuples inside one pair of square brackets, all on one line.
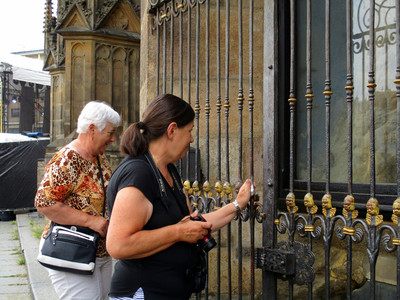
[(171, 130)]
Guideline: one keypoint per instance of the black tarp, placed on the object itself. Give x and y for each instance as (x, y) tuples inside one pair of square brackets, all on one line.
[(18, 173)]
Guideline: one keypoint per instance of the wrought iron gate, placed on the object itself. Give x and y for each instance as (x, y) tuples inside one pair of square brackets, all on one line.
[(343, 56)]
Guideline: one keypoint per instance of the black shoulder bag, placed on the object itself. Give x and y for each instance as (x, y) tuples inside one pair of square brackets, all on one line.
[(71, 248)]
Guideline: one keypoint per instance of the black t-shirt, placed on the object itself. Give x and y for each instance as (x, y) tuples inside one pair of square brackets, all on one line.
[(163, 275)]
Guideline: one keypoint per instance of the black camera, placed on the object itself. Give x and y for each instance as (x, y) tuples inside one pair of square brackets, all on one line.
[(208, 242)]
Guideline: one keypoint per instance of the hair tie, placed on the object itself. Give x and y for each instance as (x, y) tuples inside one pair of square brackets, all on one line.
[(142, 127)]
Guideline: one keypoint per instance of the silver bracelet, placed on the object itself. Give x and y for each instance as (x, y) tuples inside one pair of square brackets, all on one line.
[(237, 206)]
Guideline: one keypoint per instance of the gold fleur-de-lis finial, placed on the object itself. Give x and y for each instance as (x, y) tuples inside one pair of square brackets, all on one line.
[(373, 212), (291, 203), (396, 211), (187, 187), (207, 189), (309, 203), (219, 188), (228, 190), (349, 206), (196, 188), (327, 206)]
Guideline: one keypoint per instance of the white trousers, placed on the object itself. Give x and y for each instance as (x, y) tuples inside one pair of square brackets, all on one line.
[(70, 286)]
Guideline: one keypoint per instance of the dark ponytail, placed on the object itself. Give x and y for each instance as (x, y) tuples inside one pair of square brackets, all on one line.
[(162, 111)]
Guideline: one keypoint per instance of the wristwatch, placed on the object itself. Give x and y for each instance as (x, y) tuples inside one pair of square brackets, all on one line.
[(238, 209)]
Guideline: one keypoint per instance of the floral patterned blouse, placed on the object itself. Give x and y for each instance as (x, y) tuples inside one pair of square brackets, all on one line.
[(76, 182)]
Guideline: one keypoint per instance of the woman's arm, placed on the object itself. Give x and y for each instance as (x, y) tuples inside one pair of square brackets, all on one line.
[(126, 238), (219, 218), (65, 215)]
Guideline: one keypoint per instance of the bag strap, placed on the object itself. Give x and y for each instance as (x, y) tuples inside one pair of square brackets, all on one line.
[(102, 183)]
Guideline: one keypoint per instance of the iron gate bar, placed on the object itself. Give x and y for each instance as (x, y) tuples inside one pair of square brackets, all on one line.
[(181, 8), (349, 97), (240, 100), (251, 142), (292, 104), (227, 188), (309, 97), (173, 13), (207, 108), (397, 83), (371, 92), (197, 100), (327, 93), (158, 52), (189, 73), (218, 185), (164, 22), (371, 246)]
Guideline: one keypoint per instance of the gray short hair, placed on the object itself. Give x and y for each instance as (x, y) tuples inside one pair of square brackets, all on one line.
[(99, 114)]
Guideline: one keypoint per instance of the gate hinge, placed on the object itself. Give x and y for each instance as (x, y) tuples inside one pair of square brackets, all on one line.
[(276, 260)]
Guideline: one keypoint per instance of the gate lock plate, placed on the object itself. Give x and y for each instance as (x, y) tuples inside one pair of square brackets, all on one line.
[(276, 260)]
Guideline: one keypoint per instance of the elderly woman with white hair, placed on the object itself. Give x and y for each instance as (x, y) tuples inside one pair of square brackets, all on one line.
[(72, 193)]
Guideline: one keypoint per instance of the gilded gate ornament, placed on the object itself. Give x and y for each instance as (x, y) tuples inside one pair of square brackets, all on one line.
[(207, 189), (309, 203), (195, 188), (327, 208), (187, 187), (290, 203), (228, 190), (219, 188), (396, 211), (373, 212), (349, 206)]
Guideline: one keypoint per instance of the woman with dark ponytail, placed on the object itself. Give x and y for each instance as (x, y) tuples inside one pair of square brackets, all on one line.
[(151, 230)]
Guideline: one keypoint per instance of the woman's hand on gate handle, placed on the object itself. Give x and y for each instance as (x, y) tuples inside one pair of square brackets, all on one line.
[(244, 194)]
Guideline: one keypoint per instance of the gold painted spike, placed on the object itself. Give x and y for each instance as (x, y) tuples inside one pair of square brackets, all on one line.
[(180, 5), (309, 200), (228, 190), (349, 230), (187, 187), (277, 222), (396, 207), (309, 228), (207, 189), (327, 201), (196, 188), (396, 241), (349, 203), (372, 206), (290, 201), (218, 187)]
